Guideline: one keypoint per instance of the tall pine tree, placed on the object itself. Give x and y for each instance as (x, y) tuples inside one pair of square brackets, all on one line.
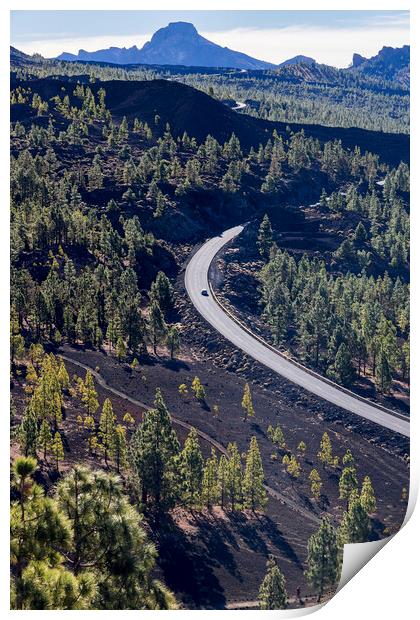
[(272, 593), (155, 451), (191, 469), (107, 429), (323, 558), (255, 496)]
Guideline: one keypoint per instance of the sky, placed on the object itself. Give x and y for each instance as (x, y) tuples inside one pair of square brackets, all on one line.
[(331, 37)]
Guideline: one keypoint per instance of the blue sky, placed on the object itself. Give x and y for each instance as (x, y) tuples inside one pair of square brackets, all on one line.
[(328, 36)]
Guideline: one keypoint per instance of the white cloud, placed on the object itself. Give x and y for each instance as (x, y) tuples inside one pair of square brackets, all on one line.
[(53, 47), (334, 46)]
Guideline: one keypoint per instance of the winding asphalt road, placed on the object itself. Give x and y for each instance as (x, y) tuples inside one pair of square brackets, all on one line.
[(196, 280)]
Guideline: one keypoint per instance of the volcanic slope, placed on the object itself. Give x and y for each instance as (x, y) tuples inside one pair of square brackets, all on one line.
[(188, 109)]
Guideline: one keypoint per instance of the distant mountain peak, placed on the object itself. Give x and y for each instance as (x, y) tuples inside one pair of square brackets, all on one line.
[(297, 60), (182, 28), (358, 59), (178, 43), (390, 63)]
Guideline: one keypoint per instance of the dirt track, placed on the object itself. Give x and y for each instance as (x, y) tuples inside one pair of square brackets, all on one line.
[(276, 494)]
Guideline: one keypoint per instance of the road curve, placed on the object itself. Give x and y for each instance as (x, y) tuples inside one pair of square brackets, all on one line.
[(196, 279), (239, 105)]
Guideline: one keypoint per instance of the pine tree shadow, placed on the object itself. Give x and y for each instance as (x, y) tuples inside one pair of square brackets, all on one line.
[(256, 428), (377, 529), (248, 530), (188, 563), (277, 539), (324, 502), (218, 539), (175, 364)]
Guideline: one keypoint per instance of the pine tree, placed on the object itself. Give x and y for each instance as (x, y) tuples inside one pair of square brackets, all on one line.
[(57, 449), (128, 419), (121, 349), (43, 587), (123, 130), (348, 460), (343, 365), (17, 342), (383, 376), (120, 447), (247, 405), (89, 395), (325, 450), (272, 593), (191, 464), (367, 496), (182, 389), (46, 400), (323, 558), (161, 291), (93, 444), (255, 496), (92, 441), (278, 437), (108, 536), (172, 340), (348, 483), (234, 477), (198, 389), (31, 377), (44, 440), (63, 376), (302, 448), (209, 492), (360, 234), (28, 432), (157, 325), (155, 453), (107, 429), (223, 480), (293, 467), (265, 238), (355, 526), (39, 532), (316, 484)]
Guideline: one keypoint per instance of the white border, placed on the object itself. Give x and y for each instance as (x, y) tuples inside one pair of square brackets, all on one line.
[(387, 586)]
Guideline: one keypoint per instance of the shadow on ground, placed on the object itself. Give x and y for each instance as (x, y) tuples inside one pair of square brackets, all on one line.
[(196, 548)]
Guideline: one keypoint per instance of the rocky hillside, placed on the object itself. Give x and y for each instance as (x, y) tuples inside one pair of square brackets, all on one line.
[(390, 63)]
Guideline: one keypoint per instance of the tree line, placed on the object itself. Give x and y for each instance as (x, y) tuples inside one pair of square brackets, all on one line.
[(344, 324), (331, 98)]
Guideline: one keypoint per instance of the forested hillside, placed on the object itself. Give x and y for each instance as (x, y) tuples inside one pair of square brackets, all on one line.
[(365, 97)]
